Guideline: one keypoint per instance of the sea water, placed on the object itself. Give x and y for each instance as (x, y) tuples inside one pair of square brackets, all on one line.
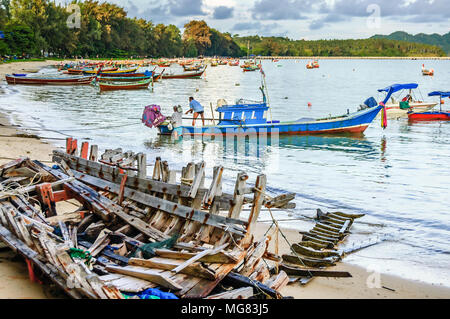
[(399, 177)]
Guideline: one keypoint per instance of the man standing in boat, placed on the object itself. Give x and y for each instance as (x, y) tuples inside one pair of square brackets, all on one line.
[(197, 108)]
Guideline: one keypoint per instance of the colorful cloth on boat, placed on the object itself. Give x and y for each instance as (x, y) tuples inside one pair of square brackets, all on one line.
[(152, 116), (152, 293), (196, 106)]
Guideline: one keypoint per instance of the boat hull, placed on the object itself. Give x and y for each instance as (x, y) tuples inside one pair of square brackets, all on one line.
[(184, 76), (393, 110), (355, 123), (49, 81), (429, 116), (115, 87)]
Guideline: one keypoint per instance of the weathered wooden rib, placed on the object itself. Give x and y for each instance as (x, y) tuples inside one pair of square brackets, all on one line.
[(309, 261), (217, 221), (147, 274), (304, 272), (220, 257), (314, 253), (112, 174), (194, 269)]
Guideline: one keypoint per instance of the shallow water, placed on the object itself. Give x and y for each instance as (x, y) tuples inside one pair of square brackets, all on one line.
[(399, 177)]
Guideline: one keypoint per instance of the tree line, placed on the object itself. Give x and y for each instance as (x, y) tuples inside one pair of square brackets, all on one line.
[(281, 46), (40, 28)]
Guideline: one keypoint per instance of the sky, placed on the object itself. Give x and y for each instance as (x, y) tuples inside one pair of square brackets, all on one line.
[(299, 19)]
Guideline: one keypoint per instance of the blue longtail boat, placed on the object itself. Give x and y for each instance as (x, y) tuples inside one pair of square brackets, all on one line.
[(250, 119)]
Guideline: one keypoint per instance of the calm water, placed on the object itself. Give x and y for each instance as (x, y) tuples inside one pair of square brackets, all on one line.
[(398, 177)]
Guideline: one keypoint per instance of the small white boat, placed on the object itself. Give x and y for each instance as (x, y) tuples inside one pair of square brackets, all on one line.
[(396, 109)]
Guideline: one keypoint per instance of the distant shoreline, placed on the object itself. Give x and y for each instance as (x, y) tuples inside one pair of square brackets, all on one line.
[(351, 58)]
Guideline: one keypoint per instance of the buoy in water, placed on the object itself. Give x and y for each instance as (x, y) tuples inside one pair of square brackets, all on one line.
[(196, 90), (237, 84), (442, 101), (309, 104), (285, 97)]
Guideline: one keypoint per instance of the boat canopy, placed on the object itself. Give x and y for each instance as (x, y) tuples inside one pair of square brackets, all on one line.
[(439, 93), (398, 87), (242, 114)]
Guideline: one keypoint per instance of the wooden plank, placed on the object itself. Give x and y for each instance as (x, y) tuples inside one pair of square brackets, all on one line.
[(344, 227), (93, 155), (308, 261), (238, 200), (258, 199), (238, 281), (305, 251), (254, 256), (146, 274), (220, 257), (280, 281), (197, 180), (127, 283), (194, 269), (241, 293), (199, 256), (142, 165), (170, 207), (294, 271), (65, 234)]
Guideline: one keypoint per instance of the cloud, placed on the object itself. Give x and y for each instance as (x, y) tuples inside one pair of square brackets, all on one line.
[(316, 24), (183, 8), (260, 28), (282, 9), (223, 12)]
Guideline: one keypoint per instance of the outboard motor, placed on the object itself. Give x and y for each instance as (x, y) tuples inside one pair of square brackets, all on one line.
[(370, 102)]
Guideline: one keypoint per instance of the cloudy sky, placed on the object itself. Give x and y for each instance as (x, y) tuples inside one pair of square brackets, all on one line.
[(300, 19)]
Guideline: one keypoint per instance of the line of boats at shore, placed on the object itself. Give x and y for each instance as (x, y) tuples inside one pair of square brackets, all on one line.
[(243, 117)]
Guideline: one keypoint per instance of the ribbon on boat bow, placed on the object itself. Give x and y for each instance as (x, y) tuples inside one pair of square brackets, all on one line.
[(383, 116)]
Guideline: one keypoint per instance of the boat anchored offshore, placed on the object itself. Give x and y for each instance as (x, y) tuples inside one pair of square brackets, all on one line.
[(432, 115), (395, 109), (250, 119)]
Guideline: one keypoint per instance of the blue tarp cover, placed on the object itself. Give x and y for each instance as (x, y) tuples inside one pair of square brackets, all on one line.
[(398, 87), (439, 93)]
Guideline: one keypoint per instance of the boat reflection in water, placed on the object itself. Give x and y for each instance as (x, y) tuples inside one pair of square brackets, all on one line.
[(260, 151)]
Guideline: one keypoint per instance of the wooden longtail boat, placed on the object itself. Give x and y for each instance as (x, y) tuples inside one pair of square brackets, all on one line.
[(123, 79), (249, 119), (187, 75), (49, 81), (432, 115), (192, 68), (124, 71), (95, 71), (128, 86), (400, 109)]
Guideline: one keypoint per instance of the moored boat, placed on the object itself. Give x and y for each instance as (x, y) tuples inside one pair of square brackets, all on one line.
[(250, 119), (432, 115), (396, 108), (79, 80), (124, 86), (427, 71), (186, 75)]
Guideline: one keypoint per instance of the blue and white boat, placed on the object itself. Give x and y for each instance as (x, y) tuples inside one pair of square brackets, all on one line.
[(251, 119)]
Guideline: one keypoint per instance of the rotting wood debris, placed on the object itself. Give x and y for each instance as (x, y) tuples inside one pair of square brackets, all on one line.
[(129, 232)]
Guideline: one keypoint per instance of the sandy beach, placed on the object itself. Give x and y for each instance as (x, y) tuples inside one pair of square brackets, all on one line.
[(14, 282)]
